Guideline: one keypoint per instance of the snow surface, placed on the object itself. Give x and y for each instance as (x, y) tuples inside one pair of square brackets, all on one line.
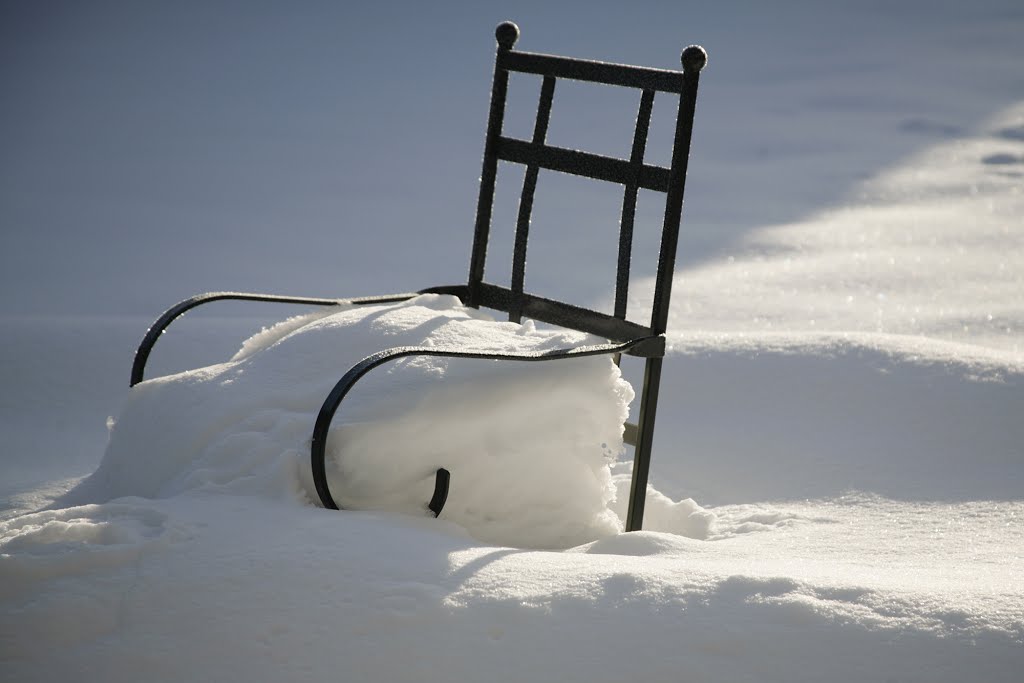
[(838, 461)]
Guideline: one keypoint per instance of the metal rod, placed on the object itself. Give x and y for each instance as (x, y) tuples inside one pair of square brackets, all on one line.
[(506, 34), (644, 441), (626, 224), (585, 164), (694, 58), (174, 312), (171, 314), (540, 132), (559, 313)]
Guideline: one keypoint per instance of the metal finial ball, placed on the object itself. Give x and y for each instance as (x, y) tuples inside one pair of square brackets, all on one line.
[(507, 34), (694, 58)]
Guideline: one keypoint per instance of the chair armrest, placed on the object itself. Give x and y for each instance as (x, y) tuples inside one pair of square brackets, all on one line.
[(318, 447), (175, 311)]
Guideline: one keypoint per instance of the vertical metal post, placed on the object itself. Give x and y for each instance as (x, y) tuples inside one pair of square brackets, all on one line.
[(636, 160), (540, 133), (644, 438), (506, 34), (693, 58)]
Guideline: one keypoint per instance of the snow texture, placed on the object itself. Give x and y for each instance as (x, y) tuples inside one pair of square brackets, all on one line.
[(838, 474), (529, 445)]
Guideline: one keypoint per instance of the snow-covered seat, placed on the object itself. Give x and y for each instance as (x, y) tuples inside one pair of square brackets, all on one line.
[(624, 336)]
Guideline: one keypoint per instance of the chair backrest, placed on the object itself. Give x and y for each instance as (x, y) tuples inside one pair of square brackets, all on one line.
[(632, 173)]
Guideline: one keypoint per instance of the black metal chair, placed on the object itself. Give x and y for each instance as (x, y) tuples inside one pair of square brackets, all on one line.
[(625, 337)]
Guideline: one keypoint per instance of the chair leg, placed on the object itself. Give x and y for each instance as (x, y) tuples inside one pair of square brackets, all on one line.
[(645, 436)]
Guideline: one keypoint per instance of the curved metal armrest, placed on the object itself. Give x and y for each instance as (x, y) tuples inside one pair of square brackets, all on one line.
[(645, 347), (164, 321)]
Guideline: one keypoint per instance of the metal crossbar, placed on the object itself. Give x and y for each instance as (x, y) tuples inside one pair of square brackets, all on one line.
[(559, 313), (594, 72), (583, 164)]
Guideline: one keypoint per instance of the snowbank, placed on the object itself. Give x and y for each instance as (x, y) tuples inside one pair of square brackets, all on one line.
[(529, 445)]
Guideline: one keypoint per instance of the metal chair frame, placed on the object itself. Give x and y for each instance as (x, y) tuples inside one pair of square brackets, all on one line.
[(625, 337)]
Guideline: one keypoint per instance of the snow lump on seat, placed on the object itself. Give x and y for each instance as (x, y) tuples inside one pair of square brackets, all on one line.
[(529, 445)]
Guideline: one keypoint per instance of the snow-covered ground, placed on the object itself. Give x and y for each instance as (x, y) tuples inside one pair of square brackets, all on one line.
[(838, 465)]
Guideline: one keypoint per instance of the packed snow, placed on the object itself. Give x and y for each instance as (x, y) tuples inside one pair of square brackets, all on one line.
[(838, 476)]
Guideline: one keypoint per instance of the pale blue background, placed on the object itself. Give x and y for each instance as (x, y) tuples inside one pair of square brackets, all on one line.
[(151, 150)]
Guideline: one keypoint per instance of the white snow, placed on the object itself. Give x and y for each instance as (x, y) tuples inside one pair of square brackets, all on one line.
[(838, 476), (529, 444)]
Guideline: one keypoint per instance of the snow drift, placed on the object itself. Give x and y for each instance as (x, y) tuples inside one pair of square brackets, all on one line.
[(529, 445), (253, 582)]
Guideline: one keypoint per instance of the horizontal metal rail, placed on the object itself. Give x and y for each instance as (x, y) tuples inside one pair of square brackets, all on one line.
[(645, 78), (584, 164), (559, 313), (318, 446)]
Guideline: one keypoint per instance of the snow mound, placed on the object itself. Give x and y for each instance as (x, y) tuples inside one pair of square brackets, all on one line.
[(661, 513), (529, 445), (639, 544)]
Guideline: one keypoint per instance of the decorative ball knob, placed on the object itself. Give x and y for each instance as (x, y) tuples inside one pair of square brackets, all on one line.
[(507, 34), (694, 58)]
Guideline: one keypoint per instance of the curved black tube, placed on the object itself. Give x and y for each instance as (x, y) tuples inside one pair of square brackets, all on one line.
[(161, 324), (440, 496), (644, 346)]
